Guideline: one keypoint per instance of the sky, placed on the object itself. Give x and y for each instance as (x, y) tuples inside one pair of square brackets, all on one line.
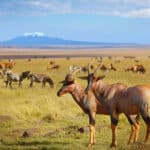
[(123, 21)]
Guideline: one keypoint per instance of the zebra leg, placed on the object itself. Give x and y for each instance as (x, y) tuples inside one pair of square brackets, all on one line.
[(6, 82), (10, 84), (20, 84), (31, 84), (43, 84)]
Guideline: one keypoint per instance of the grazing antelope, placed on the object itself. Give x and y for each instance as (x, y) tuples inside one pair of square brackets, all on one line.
[(111, 67), (136, 60), (87, 102), (102, 67), (51, 62), (136, 69), (139, 68), (73, 68), (53, 67), (8, 65), (118, 98), (128, 69), (40, 78), (13, 77)]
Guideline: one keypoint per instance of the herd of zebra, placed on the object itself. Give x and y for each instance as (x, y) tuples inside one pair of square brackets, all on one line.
[(10, 77)]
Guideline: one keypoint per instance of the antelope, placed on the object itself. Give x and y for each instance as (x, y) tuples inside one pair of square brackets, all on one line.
[(72, 68), (128, 69), (87, 102), (118, 98), (102, 67), (53, 67), (139, 68), (111, 67)]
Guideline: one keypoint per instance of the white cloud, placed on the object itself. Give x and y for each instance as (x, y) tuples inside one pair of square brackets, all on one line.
[(144, 13), (124, 8)]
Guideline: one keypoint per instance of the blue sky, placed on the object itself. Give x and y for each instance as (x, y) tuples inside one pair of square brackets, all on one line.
[(87, 20)]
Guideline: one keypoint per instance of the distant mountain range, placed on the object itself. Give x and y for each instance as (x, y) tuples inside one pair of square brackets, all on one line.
[(40, 40)]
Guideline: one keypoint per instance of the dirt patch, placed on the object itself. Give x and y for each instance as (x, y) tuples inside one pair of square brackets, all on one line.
[(73, 130), (5, 118), (21, 132)]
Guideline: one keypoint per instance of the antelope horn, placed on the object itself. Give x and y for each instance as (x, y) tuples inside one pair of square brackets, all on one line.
[(89, 68), (96, 70), (70, 69), (75, 71)]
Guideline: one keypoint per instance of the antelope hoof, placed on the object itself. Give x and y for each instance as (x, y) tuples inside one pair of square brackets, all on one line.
[(113, 145), (130, 142), (145, 141), (90, 145)]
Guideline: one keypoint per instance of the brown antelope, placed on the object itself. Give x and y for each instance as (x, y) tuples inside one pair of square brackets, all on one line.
[(111, 67), (128, 69), (136, 69), (87, 102), (53, 67), (102, 67), (139, 68), (118, 98)]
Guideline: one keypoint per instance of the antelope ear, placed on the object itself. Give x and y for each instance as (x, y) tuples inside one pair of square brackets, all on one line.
[(100, 78), (83, 77)]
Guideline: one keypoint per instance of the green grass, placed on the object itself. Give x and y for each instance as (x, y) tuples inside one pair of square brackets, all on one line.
[(53, 121)]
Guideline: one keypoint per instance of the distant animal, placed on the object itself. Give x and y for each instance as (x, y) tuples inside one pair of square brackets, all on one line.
[(7, 65), (129, 69), (111, 67), (40, 78), (73, 68), (136, 69), (119, 98), (136, 60), (139, 68), (51, 62), (55, 66), (109, 57), (102, 67), (13, 77), (79, 68), (130, 57), (117, 61)]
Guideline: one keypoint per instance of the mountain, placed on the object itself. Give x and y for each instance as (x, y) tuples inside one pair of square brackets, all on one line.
[(40, 40)]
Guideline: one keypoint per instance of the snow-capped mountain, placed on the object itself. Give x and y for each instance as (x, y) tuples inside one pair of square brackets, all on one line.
[(39, 39)]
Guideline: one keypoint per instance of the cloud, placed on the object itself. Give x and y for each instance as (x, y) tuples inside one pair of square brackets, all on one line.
[(143, 13), (124, 8)]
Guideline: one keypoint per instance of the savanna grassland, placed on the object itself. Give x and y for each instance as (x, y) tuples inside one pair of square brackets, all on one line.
[(53, 122)]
